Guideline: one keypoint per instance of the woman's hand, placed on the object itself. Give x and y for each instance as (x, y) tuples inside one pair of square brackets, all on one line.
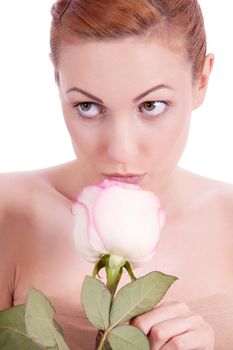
[(173, 326)]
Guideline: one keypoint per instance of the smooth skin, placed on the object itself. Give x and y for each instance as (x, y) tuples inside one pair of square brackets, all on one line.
[(122, 135)]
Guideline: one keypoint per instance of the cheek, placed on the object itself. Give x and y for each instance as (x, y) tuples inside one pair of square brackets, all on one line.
[(68, 118), (82, 136), (84, 139), (84, 142), (170, 140)]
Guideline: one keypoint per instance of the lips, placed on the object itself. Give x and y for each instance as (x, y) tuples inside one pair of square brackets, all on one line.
[(126, 178)]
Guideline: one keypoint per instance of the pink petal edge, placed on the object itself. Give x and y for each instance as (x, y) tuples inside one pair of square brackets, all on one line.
[(78, 198), (92, 256), (161, 218), (94, 219)]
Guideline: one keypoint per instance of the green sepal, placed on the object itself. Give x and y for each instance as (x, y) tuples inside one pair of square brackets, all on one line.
[(101, 263), (128, 268), (113, 278)]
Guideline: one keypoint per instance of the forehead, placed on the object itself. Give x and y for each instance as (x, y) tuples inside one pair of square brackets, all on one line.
[(134, 61)]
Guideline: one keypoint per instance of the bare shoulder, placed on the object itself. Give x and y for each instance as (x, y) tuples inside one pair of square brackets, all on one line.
[(19, 195), (226, 194), (219, 191), (225, 199), (210, 194), (27, 195), (15, 189), (25, 202), (204, 183), (224, 202), (23, 193), (18, 190)]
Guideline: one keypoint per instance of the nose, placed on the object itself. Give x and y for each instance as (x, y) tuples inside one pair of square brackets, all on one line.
[(123, 143)]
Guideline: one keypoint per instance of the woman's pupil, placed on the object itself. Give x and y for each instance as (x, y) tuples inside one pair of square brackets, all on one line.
[(86, 106), (149, 105)]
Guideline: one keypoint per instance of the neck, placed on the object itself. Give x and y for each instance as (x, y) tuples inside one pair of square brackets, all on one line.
[(173, 193)]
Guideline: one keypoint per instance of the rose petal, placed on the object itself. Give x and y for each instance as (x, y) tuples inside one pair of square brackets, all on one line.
[(161, 218), (88, 195), (139, 262), (95, 240), (140, 205), (88, 198), (81, 237)]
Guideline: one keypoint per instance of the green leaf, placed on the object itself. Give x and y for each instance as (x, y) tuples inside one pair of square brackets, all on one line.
[(13, 334), (58, 327), (106, 345), (96, 301), (39, 321), (139, 296), (128, 338), (61, 345)]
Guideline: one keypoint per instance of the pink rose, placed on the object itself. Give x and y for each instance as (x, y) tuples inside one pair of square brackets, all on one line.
[(119, 219)]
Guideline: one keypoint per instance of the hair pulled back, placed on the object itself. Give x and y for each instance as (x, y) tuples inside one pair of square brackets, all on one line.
[(168, 20)]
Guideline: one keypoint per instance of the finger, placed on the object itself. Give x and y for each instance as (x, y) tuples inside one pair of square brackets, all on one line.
[(159, 314), (162, 332), (193, 340)]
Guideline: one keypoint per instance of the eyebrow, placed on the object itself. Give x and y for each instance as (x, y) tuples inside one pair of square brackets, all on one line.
[(97, 99)]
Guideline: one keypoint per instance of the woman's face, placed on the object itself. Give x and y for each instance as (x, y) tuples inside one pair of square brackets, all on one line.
[(127, 106)]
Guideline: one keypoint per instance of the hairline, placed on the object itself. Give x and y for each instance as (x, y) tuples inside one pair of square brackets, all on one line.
[(173, 40)]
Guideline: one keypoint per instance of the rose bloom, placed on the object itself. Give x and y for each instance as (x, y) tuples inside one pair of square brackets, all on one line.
[(117, 218)]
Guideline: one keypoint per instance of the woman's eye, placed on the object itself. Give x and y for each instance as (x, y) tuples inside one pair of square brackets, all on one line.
[(88, 110), (153, 108)]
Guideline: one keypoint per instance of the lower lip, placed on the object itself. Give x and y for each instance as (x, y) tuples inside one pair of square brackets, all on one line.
[(135, 180)]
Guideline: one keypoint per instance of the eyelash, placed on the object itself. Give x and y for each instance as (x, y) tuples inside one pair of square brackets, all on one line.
[(85, 117), (76, 106)]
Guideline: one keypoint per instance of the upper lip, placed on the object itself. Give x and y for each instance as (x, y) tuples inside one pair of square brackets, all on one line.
[(123, 175)]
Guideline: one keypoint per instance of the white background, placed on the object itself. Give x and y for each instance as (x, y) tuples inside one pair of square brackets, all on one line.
[(33, 134)]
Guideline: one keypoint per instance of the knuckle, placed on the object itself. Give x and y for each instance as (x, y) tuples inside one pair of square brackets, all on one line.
[(157, 333), (209, 331), (181, 306), (137, 322), (177, 344), (197, 318), (184, 307)]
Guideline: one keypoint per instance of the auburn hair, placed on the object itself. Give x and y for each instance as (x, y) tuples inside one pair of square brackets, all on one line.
[(168, 20)]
